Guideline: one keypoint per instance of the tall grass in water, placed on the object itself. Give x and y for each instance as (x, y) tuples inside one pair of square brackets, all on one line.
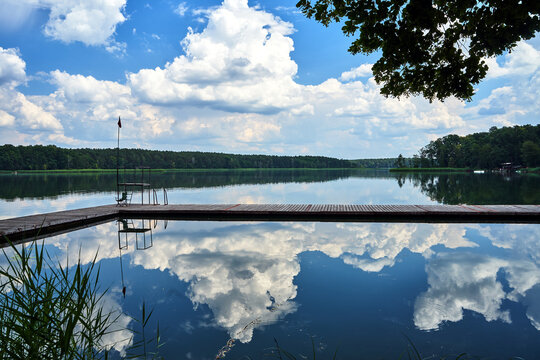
[(52, 311)]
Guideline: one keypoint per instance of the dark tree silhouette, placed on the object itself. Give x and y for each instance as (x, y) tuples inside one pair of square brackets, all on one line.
[(431, 47)]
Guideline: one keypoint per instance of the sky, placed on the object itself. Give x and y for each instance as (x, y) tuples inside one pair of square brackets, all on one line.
[(234, 76)]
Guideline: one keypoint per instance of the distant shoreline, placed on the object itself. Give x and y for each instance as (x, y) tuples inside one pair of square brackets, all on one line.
[(454, 170), (97, 171), (161, 171), (438, 169)]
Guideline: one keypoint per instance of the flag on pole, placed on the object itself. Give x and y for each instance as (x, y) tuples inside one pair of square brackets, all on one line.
[(119, 122)]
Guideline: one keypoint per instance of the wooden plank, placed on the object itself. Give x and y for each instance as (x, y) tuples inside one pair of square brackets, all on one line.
[(520, 209), (446, 209), (531, 208)]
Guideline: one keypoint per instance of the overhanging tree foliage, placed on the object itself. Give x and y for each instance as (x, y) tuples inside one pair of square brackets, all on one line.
[(431, 47)]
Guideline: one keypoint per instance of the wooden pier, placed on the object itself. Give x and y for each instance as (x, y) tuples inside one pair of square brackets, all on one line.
[(55, 223), (43, 225)]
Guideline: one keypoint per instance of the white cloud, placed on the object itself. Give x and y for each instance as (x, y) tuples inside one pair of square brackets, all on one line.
[(239, 63), (33, 116), (181, 9), (57, 138), (118, 48), (157, 122), (249, 128), (360, 71), (288, 9), (306, 109), (6, 119), (92, 22), (517, 100), (363, 103), (439, 115), (86, 89), (237, 131), (524, 60), (204, 12), (12, 68), (16, 109), (87, 105)]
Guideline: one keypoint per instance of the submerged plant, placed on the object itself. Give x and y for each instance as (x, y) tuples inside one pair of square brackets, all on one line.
[(140, 349), (50, 311)]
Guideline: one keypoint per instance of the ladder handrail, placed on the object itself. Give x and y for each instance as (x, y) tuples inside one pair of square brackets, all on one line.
[(155, 197)]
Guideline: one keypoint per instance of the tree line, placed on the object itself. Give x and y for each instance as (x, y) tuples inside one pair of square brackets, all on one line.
[(519, 145), (51, 157), (382, 163)]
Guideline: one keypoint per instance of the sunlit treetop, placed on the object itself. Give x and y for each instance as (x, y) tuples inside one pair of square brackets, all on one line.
[(434, 48)]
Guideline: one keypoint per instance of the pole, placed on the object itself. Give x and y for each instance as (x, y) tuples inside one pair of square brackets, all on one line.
[(121, 266), (122, 274), (118, 160)]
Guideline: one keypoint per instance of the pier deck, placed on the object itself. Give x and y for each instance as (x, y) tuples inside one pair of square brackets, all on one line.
[(42, 225), (55, 223)]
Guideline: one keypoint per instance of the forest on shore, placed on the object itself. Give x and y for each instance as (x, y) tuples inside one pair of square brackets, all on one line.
[(51, 157), (519, 145)]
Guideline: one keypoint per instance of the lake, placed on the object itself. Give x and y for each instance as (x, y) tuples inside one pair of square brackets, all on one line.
[(361, 289)]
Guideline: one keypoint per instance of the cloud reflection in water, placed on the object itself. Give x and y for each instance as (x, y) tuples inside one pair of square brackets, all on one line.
[(240, 270), (465, 281)]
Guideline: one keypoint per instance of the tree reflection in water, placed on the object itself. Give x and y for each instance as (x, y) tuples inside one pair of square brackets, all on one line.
[(470, 188)]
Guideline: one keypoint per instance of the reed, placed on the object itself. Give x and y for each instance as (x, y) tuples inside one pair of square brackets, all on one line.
[(49, 311), (55, 311)]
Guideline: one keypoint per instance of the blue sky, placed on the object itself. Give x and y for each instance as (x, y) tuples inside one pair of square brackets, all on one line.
[(234, 76)]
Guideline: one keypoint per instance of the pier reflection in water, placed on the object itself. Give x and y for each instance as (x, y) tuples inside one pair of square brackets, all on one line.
[(451, 288)]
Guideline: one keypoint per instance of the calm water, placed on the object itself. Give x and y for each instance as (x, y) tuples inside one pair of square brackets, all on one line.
[(30, 194), (355, 287)]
